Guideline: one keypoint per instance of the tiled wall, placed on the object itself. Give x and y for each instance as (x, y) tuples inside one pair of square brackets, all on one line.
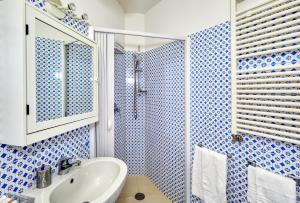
[(120, 101), (79, 83), (164, 124), (17, 164), (135, 128), (211, 112), (155, 141), (129, 132), (45, 70)]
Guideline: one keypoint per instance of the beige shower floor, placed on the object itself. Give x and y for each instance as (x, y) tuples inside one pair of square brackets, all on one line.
[(142, 184)]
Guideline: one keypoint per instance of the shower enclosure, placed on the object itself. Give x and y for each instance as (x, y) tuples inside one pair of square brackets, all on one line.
[(149, 113)]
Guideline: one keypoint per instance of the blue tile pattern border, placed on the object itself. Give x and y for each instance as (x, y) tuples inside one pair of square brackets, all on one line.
[(211, 112)]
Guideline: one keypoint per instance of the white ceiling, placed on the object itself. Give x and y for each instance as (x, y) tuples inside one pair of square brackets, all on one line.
[(137, 6)]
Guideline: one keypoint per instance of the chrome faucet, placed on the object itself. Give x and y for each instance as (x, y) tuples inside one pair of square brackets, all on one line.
[(65, 165), (20, 198)]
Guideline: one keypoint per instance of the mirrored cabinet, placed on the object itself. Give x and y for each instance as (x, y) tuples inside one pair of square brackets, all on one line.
[(59, 79)]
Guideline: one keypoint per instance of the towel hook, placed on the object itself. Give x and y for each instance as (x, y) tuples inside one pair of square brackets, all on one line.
[(297, 180), (228, 155)]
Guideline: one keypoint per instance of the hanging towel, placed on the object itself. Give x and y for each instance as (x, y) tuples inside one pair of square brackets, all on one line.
[(251, 193), (214, 176), (272, 188), (197, 186), (209, 176)]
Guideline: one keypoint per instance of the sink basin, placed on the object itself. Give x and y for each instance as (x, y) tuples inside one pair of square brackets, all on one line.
[(95, 181)]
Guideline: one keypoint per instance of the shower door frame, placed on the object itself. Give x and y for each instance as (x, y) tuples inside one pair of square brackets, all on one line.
[(186, 89)]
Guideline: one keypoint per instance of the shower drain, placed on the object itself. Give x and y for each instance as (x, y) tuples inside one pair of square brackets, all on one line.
[(139, 196)]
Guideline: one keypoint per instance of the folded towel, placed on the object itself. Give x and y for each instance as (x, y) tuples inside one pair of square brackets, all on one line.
[(271, 188), (209, 176), (197, 186), (274, 188)]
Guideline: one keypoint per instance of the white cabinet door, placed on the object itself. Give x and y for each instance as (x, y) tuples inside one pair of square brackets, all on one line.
[(62, 73)]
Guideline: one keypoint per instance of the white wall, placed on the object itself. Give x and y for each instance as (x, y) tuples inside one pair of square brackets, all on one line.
[(178, 17), (134, 22), (102, 13)]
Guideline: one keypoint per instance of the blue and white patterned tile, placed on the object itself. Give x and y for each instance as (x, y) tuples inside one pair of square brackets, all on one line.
[(120, 101), (79, 81), (38, 3), (22, 175), (18, 164), (160, 123), (164, 124), (49, 65), (210, 109), (82, 27), (135, 137), (210, 90)]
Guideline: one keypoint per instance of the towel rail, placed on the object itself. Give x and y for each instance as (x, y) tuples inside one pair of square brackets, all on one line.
[(297, 180)]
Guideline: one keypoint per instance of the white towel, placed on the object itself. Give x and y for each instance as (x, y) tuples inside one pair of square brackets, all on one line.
[(251, 193), (272, 188), (197, 186), (209, 176)]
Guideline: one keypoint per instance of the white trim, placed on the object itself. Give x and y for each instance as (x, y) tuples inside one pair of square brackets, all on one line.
[(110, 135), (233, 67), (187, 106), (42, 135), (91, 33), (105, 127), (137, 33), (92, 140)]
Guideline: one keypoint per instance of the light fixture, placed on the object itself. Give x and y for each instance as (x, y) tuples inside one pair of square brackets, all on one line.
[(85, 16), (72, 6), (67, 10)]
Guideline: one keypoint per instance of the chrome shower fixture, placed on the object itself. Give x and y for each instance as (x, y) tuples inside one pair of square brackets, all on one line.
[(137, 87)]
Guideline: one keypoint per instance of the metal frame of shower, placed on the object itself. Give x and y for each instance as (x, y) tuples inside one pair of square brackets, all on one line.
[(186, 86)]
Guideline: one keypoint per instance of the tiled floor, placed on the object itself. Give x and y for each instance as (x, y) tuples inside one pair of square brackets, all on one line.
[(141, 184)]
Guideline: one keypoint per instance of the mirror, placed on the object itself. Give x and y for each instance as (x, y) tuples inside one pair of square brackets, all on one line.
[(64, 74)]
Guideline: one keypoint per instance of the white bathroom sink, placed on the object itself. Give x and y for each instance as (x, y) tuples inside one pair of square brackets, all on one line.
[(95, 181)]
